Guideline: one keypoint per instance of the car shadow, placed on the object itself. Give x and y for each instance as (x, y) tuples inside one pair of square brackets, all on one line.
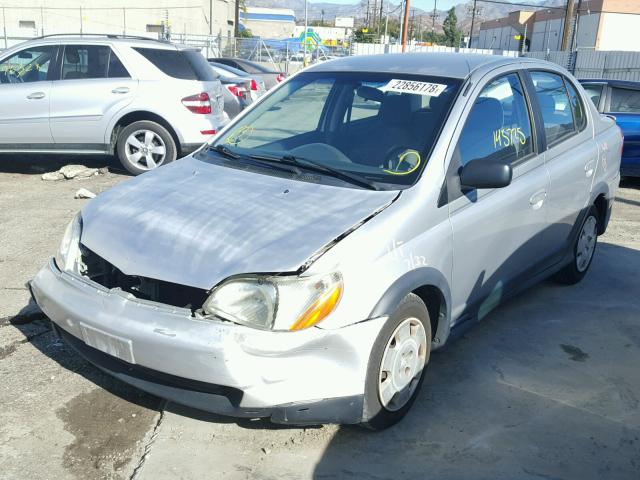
[(543, 387), (37, 164)]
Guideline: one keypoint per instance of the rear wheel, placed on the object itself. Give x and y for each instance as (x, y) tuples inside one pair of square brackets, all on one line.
[(145, 145), (583, 250), (397, 363)]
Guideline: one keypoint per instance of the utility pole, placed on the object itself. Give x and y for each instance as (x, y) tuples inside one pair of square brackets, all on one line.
[(81, 21), (407, 9), (236, 20), (4, 28), (433, 19), (380, 20), (566, 29), (306, 27), (210, 17), (473, 20), (124, 21), (42, 21), (574, 39), (386, 26)]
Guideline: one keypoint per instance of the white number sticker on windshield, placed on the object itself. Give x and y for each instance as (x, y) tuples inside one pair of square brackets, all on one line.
[(412, 86)]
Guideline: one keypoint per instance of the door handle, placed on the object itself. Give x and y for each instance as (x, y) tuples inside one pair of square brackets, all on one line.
[(537, 199), (589, 168), (120, 90), (36, 96)]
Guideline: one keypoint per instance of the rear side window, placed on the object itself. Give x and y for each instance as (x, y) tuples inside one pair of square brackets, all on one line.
[(576, 106), (181, 64), (91, 61), (498, 126), (594, 92), (116, 68), (557, 113), (625, 100)]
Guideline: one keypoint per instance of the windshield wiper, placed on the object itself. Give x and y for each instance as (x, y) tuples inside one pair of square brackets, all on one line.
[(228, 153), (318, 167), (224, 151)]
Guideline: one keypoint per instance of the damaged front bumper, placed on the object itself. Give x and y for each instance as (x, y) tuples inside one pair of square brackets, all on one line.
[(305, 377)]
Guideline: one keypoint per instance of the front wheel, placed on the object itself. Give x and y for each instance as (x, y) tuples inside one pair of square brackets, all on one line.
[(583, 250), (145, 145), (396, 367)]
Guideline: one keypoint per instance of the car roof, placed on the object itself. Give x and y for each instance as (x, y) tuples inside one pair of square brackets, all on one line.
[(453, 65), (115, 39), (612, 82)]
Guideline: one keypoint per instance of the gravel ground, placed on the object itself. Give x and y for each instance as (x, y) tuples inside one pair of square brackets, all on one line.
[(547, 386)]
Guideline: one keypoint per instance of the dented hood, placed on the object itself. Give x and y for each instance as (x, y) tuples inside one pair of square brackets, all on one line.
[(195, 223)]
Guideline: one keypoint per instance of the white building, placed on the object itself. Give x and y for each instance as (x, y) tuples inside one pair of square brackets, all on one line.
[(28, 18), (271, 23)]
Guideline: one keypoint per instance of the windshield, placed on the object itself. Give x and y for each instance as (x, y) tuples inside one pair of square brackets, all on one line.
[(378, 127)]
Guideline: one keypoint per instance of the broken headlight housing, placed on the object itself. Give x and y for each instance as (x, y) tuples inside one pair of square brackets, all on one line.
[(68, 256), (272, 302)]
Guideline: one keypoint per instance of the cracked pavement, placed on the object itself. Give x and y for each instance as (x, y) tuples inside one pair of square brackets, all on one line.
[(547, 386)]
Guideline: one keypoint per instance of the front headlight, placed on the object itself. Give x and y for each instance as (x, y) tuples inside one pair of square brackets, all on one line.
[(276, 302), (68, 256)]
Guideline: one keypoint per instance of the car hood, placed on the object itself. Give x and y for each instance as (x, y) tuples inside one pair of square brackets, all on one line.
[(195, 223)]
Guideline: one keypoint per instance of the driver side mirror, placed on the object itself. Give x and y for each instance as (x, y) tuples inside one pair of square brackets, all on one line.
[(486, 174)]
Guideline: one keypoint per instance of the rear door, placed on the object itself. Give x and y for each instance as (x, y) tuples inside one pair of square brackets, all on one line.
[(498, 234), (94, 85), (571, 153), (25, 94)]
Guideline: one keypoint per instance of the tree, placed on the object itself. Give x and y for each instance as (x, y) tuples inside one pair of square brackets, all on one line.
[(451, 31)]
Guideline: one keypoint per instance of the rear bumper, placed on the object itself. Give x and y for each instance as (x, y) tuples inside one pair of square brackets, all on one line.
[(310, 376)]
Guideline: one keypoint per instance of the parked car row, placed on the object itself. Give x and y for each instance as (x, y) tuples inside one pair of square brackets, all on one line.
[(621, 100), (148, 102)]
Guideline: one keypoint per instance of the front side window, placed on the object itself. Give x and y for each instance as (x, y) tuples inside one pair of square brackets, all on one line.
[(373, 126), (498, 127), (557, 113), (625, 100), (29, 65)]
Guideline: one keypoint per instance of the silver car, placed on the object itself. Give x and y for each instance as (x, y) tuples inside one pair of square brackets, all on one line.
[(304, 265), (147, 101)]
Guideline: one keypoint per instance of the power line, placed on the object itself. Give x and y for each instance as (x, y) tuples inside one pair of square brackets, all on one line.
[(516, 4)]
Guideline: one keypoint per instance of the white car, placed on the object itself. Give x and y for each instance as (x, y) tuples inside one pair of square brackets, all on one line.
[(147, 101)]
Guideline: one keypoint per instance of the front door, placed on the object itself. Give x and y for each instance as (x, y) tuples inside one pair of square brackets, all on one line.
[(25, 87), (498, 234), (94, 85)]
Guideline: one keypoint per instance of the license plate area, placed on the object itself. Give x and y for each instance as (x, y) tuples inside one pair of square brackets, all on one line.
[(113, 345)]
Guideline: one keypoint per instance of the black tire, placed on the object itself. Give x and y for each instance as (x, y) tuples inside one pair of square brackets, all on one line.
[(375, 416), (571, 273), (144, 125)]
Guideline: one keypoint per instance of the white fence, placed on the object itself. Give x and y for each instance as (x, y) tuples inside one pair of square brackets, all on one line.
[(375, 48)]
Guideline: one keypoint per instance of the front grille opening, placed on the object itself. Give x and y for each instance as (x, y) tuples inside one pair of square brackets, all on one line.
[(104, 273)]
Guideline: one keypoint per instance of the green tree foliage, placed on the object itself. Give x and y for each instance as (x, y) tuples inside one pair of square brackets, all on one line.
[(451, 31)]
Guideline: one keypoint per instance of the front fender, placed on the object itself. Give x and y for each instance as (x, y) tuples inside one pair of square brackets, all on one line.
[(401, 287)]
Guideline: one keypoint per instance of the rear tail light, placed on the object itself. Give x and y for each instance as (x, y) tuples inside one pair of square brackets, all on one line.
[(237, 91), (254, 84), (208, 132), (280, 77), (200, 103)]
